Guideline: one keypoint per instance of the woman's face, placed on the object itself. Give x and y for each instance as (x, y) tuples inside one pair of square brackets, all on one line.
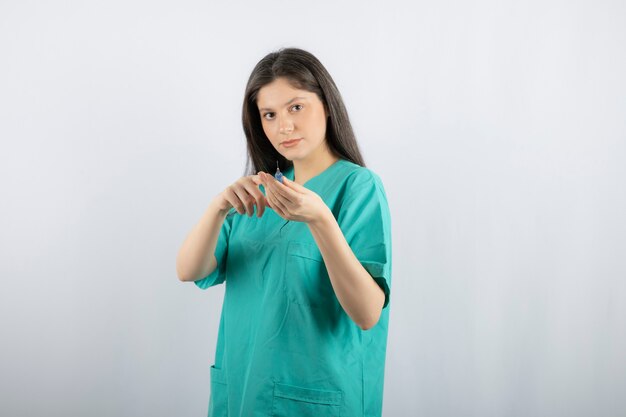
[(288, 113)]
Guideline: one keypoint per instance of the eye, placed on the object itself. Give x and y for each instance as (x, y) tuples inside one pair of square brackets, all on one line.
[(268, 118), (297, 105)]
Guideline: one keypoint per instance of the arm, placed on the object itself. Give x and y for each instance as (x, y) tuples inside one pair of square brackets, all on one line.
[(357, 292), (196, 257)]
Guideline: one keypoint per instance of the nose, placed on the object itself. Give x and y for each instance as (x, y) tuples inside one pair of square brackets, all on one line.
[(286, 125)]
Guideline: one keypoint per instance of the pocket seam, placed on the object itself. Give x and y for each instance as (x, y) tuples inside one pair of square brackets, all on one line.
[(304, 250), (322, 397)]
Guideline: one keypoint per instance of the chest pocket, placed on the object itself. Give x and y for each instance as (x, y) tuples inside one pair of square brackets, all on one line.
[(306, 278), (292, 401)]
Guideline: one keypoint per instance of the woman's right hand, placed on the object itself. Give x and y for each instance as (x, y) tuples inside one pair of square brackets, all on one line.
[(243, 195)]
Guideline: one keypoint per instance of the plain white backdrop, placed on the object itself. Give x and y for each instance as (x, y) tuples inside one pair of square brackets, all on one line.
[(497, 127)]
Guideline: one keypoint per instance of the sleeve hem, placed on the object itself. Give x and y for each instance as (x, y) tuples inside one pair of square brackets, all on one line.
[(209, 280), (378, 273)]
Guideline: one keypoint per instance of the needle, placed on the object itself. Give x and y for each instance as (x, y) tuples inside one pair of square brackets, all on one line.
[(278, 175)]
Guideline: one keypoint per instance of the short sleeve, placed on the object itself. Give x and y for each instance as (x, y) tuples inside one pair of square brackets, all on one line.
[(365, 221), (221, 252)]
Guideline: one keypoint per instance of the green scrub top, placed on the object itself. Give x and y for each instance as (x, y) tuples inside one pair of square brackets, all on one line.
[(285, 345)]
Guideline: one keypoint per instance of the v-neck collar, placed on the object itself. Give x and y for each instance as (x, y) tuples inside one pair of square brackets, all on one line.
[(290, 172)]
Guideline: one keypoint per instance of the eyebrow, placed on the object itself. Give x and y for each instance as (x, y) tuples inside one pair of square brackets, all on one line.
[(287, 103)]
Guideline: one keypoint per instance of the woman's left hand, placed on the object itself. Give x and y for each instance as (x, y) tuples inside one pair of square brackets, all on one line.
[(291, 200)]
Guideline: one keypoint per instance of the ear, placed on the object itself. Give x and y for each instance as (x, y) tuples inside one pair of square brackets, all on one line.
[(325, 104)]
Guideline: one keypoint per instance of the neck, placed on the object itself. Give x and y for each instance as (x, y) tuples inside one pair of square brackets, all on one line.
[(306, 169)]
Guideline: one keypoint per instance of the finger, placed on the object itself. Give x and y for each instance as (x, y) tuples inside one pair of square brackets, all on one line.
[(256, 198), (294, 185), (260, 205), (285, 202), (257, 178), (276, 207), (276, 204), (267, 179), (259, 198), (282, 189), (282, 194), (261, 208), (245, 197), (233, 199), (269, 196)]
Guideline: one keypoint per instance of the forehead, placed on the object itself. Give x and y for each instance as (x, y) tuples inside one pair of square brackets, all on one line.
[(278, 92)]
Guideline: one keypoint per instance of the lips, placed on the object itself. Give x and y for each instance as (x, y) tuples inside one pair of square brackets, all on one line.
[(291, 142)]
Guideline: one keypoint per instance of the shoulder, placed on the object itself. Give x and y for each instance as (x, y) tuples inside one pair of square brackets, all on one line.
[(362, 200), (356, 177)]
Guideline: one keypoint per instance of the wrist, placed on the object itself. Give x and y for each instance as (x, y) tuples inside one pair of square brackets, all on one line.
[(217, 205), (324, 217)]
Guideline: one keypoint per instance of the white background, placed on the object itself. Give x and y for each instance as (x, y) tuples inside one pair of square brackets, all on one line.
[(497, 127)]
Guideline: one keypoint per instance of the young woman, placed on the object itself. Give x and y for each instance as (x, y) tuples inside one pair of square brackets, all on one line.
[(306, 260)]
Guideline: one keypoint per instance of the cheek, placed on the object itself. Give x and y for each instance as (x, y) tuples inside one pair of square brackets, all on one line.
[(267, 129), (319, 124), (272, 135)]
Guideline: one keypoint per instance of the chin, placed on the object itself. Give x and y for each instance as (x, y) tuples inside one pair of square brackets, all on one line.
[(294, 154), (297, 158)]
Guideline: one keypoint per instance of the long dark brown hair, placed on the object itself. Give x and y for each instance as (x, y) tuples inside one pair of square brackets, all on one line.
[(305, 72)]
